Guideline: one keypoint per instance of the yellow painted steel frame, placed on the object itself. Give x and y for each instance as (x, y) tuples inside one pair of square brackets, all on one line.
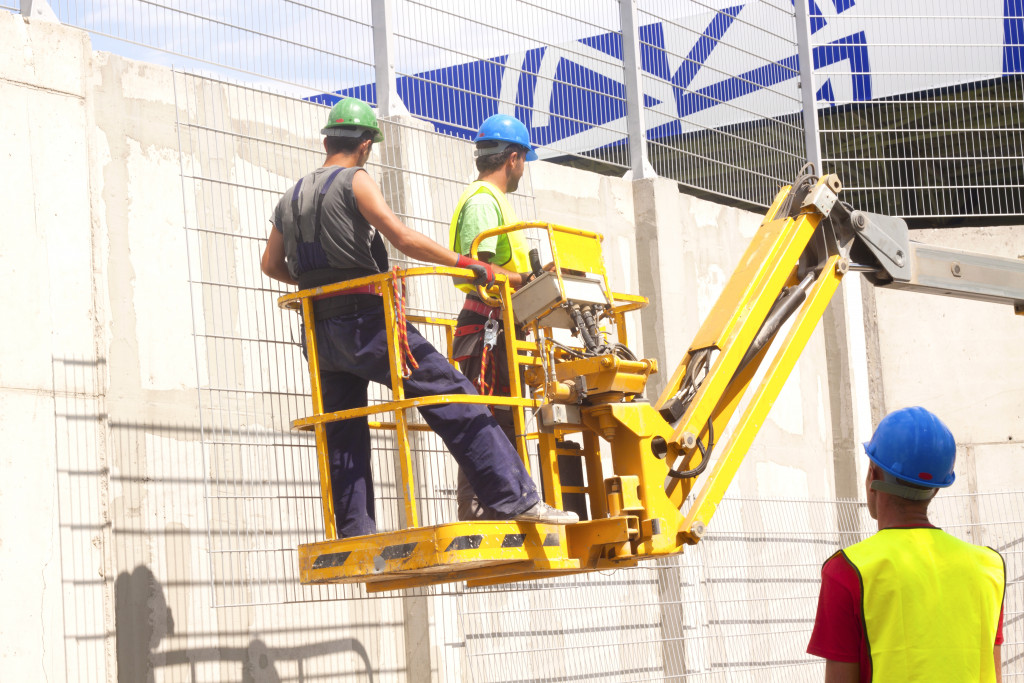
[(571, 249), (769, 264), (303, 300)]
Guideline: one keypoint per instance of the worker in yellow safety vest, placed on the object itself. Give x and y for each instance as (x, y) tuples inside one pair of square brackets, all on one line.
[(910, 603), (502, 149)]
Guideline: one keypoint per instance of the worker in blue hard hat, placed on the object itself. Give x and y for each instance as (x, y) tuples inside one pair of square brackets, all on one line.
[(910, 603), (502, 148), (330, 227)]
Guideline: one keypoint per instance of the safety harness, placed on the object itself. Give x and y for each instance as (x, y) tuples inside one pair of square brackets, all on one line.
[(318, 272), (316, 268)]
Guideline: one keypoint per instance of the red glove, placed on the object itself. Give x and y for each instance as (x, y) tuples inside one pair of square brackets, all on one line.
[(484, 272)]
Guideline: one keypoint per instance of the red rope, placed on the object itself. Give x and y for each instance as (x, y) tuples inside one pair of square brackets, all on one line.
[(403, 337), (486, 388)]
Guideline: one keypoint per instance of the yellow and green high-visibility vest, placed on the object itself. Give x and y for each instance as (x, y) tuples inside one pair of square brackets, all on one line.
[(931, 605), (512, 254)]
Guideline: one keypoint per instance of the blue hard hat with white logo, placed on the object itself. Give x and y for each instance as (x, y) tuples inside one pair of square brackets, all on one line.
[(505, 128), (914, 445)]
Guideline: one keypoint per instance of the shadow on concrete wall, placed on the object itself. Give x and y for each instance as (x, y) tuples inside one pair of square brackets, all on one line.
[(116, 475), (142, 620)]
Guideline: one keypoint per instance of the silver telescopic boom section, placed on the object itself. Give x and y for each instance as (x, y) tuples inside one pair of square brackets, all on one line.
[(908, 265)]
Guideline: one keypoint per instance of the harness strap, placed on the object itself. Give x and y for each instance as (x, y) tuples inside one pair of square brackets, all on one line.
[(317, 225), (404, 352), (479, 307), (464, 330), (295, 207)]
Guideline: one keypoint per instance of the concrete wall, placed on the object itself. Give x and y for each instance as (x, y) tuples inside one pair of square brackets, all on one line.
[(104, 550), (964, 360), (112, 557)]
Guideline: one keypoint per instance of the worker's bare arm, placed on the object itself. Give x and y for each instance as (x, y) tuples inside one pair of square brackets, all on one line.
[(273, 263), (411, 243), (841, 672), (997, 654), (378, 214)]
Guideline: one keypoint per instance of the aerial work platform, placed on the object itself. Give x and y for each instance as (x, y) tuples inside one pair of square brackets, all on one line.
[(477, 552), (628, 465)]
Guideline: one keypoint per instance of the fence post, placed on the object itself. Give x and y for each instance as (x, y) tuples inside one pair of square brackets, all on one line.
[(812, 141), (38, 10), (843, 324), (388, 101), (640, 166)]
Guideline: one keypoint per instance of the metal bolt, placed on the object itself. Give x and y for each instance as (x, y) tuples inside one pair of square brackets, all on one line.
[(956, 269), (689, 440), (698, 528), (899, 257), (859, 222), (843, 265)]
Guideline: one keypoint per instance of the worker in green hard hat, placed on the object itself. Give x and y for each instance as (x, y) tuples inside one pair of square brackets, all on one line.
[(330, 227), (910, 603)]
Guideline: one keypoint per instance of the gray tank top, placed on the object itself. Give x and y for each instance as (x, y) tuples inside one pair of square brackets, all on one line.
[(346, 237)]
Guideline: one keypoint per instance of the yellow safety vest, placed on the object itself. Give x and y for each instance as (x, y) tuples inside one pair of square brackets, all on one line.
[(519, 254), (931, 605)]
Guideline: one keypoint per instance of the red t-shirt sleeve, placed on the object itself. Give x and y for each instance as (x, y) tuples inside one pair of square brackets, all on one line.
[(999, 628), (838, 626)]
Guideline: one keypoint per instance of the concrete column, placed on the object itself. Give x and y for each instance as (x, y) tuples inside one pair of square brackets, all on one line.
[(407, 195), (667, 323), (660, 244)]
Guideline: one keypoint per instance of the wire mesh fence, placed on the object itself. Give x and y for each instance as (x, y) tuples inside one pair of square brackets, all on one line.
[(312, 46), (919, 103), (724, 117), (923, 107), (739, 606), (548, 65)]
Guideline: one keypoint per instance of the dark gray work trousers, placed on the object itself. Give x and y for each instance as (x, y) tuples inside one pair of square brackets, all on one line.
[(353, 351)]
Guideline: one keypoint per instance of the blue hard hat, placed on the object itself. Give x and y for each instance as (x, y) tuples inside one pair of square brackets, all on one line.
[(505, 128), (914, 445)]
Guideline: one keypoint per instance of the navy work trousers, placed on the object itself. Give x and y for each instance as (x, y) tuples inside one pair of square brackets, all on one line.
[(353, 351)]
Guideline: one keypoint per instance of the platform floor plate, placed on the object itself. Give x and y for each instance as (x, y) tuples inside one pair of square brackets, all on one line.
[(445, 551)]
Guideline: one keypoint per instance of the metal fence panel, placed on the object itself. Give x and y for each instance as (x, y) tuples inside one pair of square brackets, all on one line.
[(923, 104), (722, 83), (309, 45), (548, 65), (920, 101), (739, 606)]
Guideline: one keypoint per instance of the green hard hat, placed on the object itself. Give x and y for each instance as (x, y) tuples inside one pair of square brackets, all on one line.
[(349, 118)]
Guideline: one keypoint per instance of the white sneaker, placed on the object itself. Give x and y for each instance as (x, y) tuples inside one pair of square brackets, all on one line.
[(542, 513)]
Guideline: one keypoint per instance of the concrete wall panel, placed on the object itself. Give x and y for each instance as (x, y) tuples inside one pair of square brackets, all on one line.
[(963, 360)]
